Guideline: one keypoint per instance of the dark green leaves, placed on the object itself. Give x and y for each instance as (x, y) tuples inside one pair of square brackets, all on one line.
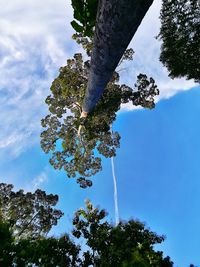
[(40, 252), (85, 13), (180, 35), (128, 244), (77, 27), (146, 91)]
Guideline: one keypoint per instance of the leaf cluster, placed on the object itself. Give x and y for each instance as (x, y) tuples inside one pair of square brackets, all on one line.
[(128, 244), (84, 16)]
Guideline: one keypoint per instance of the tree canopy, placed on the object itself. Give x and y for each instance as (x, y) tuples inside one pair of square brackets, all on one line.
[(95, 241), (79, 153), (77, 144), (28, 214), (127, 244), (180, 35)]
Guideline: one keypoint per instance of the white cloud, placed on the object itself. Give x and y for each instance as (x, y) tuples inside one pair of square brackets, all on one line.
[(35, 41), (26, 181), (39, 180)]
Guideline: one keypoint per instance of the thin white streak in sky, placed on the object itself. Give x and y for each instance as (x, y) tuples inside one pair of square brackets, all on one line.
[(115, 193)]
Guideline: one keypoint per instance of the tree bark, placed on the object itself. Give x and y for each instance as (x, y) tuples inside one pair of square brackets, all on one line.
[(116, 24)]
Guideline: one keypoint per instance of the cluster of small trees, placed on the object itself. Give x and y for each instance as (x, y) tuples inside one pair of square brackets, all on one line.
[(26, 219)]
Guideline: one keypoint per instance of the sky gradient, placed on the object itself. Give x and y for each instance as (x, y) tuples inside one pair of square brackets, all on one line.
[(157, 165)]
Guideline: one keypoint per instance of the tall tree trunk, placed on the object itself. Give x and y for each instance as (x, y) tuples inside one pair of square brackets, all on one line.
[(116, 24)]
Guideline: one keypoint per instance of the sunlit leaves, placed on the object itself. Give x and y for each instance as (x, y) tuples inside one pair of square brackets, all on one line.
[(80, 153)]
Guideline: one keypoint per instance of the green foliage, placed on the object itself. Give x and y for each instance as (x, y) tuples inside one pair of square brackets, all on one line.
[(40, 252), (85, 13), (104, 245), (6, 244), (46, 252), (180, 34), (85, 41), (128, 244), (80, 154), (28, 214)]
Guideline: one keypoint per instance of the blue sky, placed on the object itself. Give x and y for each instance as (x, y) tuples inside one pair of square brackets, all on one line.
[(157, 165)]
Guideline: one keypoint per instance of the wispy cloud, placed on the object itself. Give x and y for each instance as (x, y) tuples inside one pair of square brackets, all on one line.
[(38, 181), (35, 41), (29, 181)]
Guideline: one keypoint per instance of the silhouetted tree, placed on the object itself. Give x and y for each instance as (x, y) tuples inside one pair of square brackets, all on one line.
[(180, 35)]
